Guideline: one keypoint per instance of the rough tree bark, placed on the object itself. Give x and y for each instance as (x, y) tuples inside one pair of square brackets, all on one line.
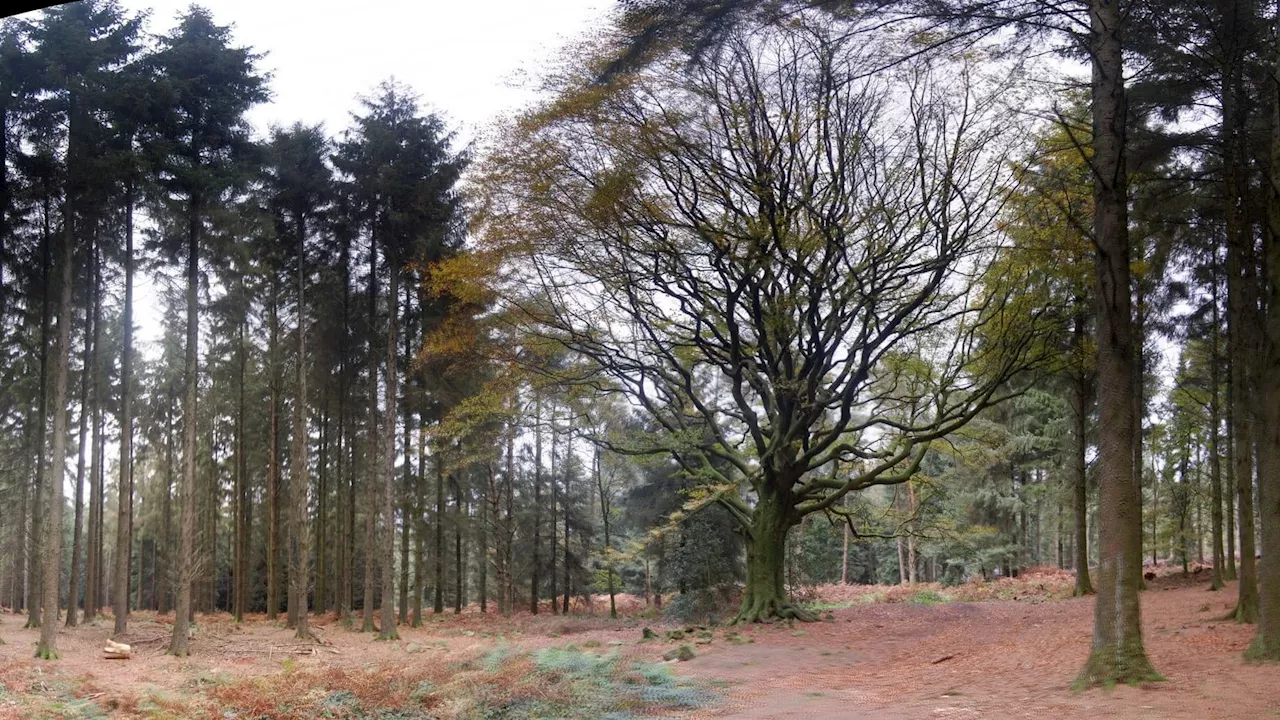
[(1266, 644), (299, 482), (241, 499), (89, 360), (178, 645), (1080, 491), (1117, 653), (537, 501), (51, 543), (273, 459), (1215, 459), (124, 514), (35, 577), (388, 631), (372, 458)]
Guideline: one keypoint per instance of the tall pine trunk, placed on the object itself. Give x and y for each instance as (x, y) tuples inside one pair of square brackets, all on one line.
[(241, 559), (372, 460), (167, 510), (89, 362), (1215, 459), (124, 514), (51, 543), (1241, 306), (388, 625), (273, 458), (299, 482), (178, 645), (420, 527), (1266, 644), (1080, 494), (33, 599), (1117, 653), (437, 605)]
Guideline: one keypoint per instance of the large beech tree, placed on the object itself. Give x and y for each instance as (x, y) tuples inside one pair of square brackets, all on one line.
[(753, 251)]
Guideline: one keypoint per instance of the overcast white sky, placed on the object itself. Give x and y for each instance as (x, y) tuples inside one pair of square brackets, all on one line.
[(462, 57), (470, 62)]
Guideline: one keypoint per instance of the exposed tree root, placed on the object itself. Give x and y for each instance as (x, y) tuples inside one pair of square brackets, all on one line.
[(1241, 615), (1112, 665), (768, 609), (47, 653), (388, 636), (1260, 651)]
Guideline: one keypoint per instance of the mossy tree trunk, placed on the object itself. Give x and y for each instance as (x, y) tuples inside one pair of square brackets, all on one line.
[(765, 597)]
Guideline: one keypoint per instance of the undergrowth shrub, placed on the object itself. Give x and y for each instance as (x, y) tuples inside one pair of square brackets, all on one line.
[(554, 682)]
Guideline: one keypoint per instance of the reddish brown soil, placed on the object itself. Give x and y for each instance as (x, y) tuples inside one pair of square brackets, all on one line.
[(993, 659), (996, 659)]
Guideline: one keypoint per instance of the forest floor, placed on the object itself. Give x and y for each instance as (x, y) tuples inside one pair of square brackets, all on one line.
[(881, 653)]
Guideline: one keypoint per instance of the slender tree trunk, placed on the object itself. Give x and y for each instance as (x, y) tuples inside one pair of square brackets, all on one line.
[(1183, 500), (124, 516), (458, 511), (1230, 489), (493, 512), (844, 541), (388, 629), (406, 525), (911, 538), (1241, 310), (51, 544), (372, 459), (568, 466), (167, 510), (438, 606), (555, 508), (93, 551), (406, 485), (1081, 486), (608, 539), (241, 499), (89, 363), (17, 594), (370, 526), (481, 534), (509, 524), (35, 577), (299, 480), (273, 458), (420, 527), (322, 506), (1215, 459), (902, 562), (537, 500), (1117, 653), (187, 542), (97, 472)]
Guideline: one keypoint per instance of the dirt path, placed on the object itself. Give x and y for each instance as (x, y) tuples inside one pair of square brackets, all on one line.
[(992, 660), (995, 659)]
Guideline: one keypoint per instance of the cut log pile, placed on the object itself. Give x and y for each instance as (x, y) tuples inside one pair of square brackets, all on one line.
[(116, 651)]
